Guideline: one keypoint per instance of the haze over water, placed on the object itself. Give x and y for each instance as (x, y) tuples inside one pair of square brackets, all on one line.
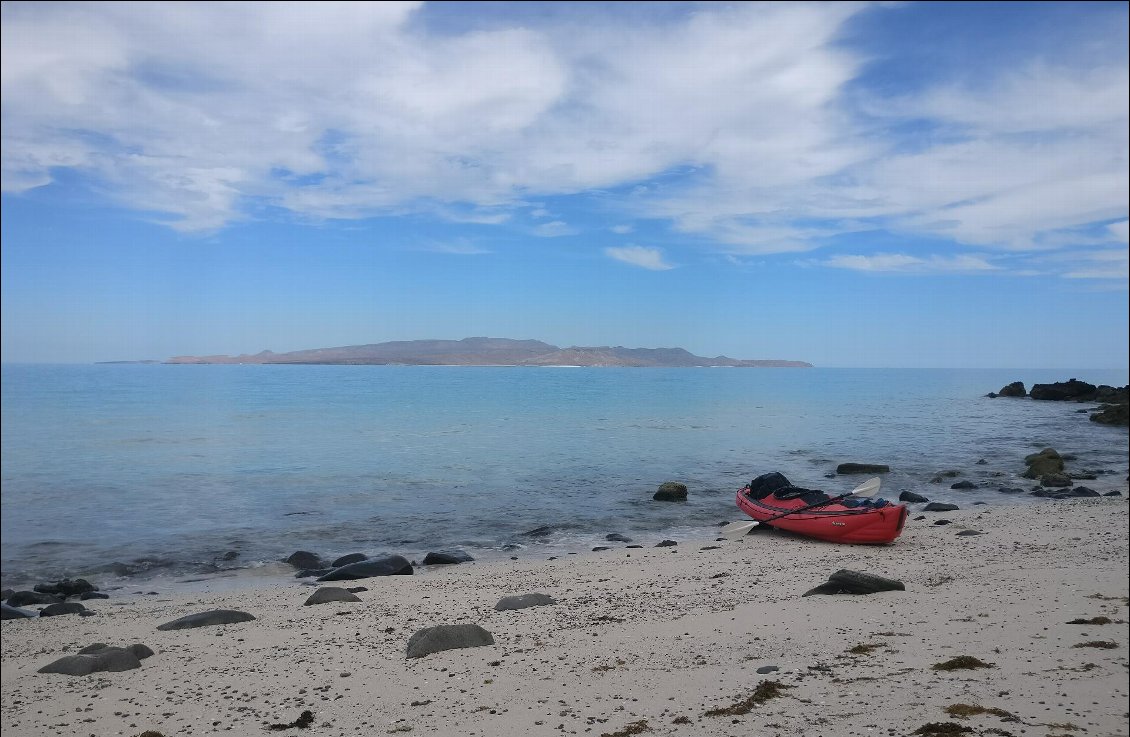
[(180, 465)]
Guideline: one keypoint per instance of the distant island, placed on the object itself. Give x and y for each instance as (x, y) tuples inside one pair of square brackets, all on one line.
[(489, 352)]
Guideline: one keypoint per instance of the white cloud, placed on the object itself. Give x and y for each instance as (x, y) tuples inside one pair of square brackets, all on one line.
[(200, 112), (622, 229), (906, 264), (553, 229), (1120, 231), (641, 256)]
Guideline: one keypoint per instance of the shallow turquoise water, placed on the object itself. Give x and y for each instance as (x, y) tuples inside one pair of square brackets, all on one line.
[(182, 464)]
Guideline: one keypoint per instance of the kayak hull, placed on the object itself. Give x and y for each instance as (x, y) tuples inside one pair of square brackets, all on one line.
[(833, 522)]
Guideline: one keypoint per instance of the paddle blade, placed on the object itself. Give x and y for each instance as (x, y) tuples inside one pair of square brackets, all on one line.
[(870, 487), (734, 530)]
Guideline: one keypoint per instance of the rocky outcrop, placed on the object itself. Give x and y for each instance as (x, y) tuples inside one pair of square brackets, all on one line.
[(1015, 389), (304, 559)]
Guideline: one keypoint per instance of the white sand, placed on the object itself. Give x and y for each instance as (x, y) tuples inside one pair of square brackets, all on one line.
[(653, 635)]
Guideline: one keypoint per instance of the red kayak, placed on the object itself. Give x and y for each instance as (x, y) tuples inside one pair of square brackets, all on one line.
[(836, 522)]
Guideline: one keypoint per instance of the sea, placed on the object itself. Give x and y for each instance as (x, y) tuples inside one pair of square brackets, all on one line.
[(126, 472)]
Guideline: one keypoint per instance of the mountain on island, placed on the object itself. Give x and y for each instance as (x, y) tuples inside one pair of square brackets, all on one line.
[(489, 352)]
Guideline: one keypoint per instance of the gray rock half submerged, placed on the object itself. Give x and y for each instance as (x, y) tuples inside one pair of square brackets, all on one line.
[(447, 637), (393, 565), (522, 601), (206, 619)]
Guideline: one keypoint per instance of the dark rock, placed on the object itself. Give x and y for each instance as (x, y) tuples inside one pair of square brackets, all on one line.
[(312, 573), (393, 565), (447, 637), (207, 619), (852, 468), (919, 518), (87, 595), (1060, 391), (1015, 389), (855, 582), (618, 538), (671, 491), (969, 533), (1113, 414), (981, 462), (1084, 491), (66, 588), (665, 543), (767, 483), (11, 612), (230, 555), (347, 559), (304, 559), (1056, 480), (964, 485), (330, 593), (522, 601), (633, 546), (69, 607), (939, 507), (1010, 490), (141, 652), (910, 496), (598, 548), (943, 522), (111, 660), (1042, 463), (542, 531), (356, 589), (768, 669), (447, 557), (4, 594), (1113, 493), (23, 598)]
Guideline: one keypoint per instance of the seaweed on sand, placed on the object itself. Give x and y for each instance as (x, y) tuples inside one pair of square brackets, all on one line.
[(961, 662), (765, 690)]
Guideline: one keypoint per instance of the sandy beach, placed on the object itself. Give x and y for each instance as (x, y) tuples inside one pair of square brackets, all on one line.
[(665, 641)]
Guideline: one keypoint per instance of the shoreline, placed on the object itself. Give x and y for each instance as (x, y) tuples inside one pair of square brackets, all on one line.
[(653, 635)]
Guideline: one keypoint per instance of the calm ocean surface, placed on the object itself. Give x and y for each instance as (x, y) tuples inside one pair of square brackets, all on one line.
[(169, 468)]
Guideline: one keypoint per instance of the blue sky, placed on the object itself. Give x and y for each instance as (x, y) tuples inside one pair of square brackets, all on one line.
[(849, 184)]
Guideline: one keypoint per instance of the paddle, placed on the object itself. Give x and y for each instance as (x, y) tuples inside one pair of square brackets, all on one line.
[(734, 530)]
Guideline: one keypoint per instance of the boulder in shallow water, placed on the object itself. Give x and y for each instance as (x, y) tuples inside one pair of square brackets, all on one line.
[(1056, 480), (1042, 463), (304, 559), (447, 557), (66, 587), (207, 619), (347, 559), (910, 496), (23, 598), (1015, 389), (447, 637), (845, 469), (393, 565), (671, 491), (939, 507)]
